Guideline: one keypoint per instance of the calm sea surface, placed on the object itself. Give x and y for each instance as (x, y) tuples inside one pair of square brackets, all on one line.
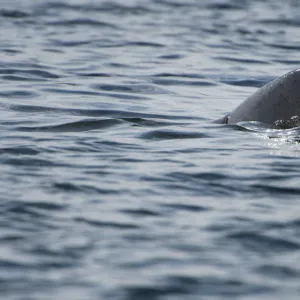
[(115, 184)]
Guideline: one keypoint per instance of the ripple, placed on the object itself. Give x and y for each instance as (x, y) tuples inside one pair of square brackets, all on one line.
[(281, 21), (189, 286), (278, 272), (14, 14), (136, 88), (245, 82), (171, 56), (10, 51), (67, 187), (261, 243), (151, 123), (183, 82), (19, 150), (113, 8), (295, 62), (14, 264), (276, 190), (210, 184), (183, 75), (140, 44), (226, 6), (285, 46), (32, 216), (173, 4), (185, 207), (63, 43), (242, 60), (31, 162), (19, 78), (93, 74), (22, 207), (118, 114), (161, 135), (28, 66), (81, 22), (18, 94), (103, 224), (31, 73), (86, 92), (142, 212), (82, 125)]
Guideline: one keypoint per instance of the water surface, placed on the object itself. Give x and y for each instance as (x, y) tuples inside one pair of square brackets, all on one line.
[(115, 184)]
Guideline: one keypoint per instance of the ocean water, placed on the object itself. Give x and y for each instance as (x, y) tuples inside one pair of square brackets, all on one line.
[(115, 182)]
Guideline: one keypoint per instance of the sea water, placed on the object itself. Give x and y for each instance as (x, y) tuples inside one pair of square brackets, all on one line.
[(115, 182)]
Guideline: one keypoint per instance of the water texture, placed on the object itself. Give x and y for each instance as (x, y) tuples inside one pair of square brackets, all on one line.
[(115, 184)]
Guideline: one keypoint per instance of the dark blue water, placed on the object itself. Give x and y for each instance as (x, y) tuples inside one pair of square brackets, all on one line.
[(115, 184)]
